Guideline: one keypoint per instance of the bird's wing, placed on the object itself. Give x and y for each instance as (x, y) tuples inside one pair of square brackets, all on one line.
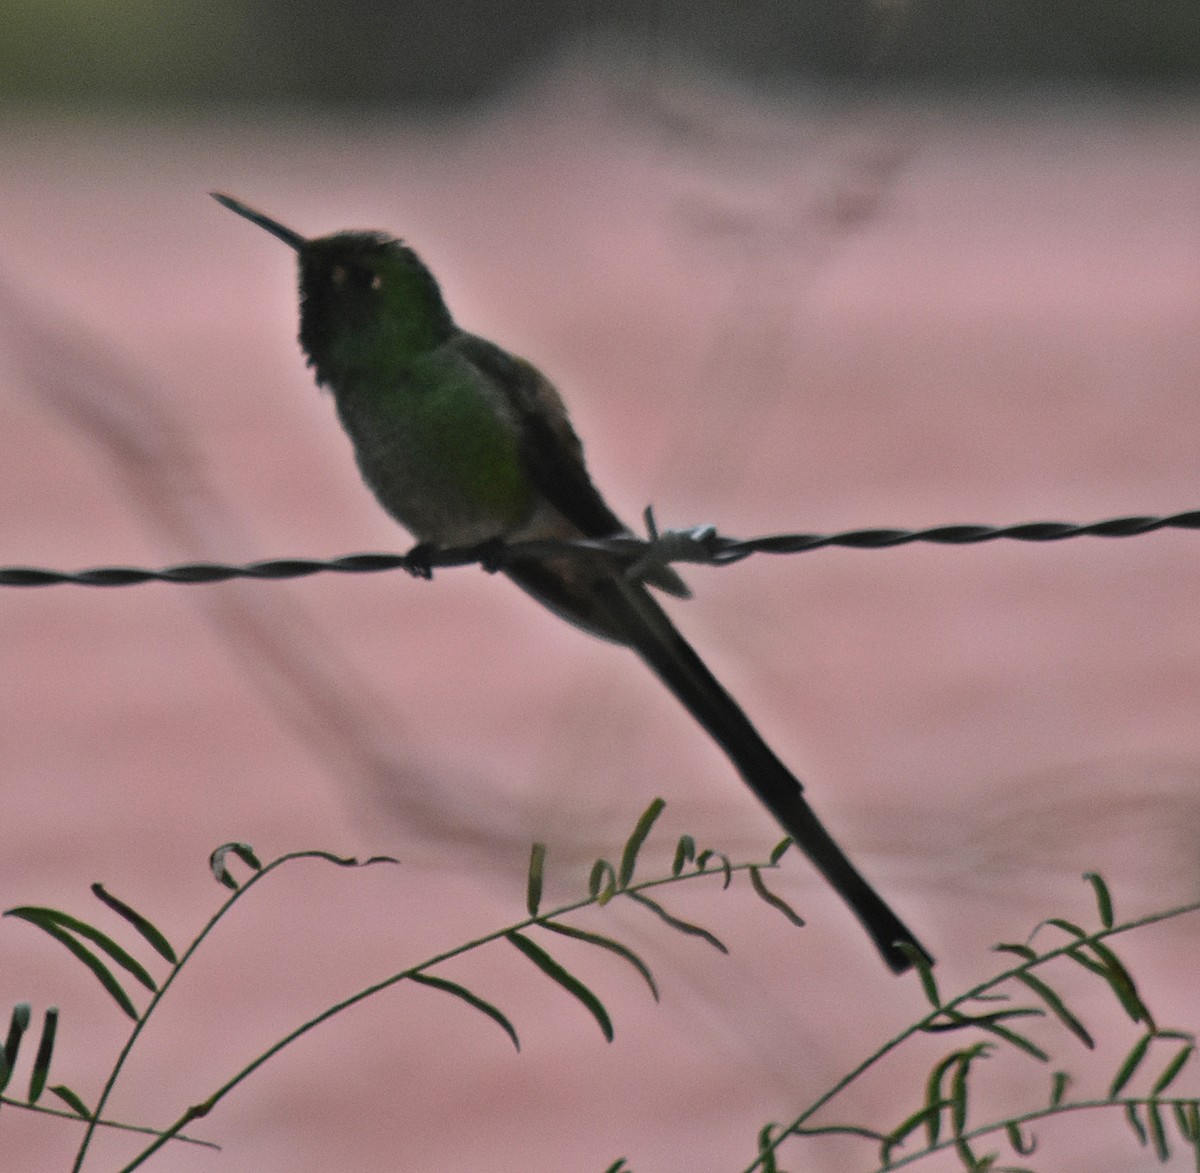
[(551, 451)]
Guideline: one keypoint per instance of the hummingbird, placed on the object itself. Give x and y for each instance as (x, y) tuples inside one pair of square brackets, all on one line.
[(464, 443)]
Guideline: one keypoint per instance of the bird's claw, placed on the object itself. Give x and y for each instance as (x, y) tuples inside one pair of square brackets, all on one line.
[(419, 561), (492, 554)]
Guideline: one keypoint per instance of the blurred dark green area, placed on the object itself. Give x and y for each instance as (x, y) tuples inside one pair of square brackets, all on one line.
[(201, 53)]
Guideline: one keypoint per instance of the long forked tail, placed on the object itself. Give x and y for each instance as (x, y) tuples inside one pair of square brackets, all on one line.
[(645, 627)]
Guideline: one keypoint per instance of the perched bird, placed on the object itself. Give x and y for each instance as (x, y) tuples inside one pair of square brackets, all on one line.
[(464, 443)]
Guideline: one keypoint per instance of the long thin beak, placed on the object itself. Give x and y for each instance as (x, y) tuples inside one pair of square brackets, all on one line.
[(294, 239)]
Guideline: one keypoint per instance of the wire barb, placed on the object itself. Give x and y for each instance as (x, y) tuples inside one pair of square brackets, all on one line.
[(701, 545)]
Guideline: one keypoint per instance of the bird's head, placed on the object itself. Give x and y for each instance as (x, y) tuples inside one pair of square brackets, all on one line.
[(367, 301)]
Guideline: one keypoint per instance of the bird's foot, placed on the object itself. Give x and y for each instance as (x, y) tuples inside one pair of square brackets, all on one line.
[(419, 560), (492, 554)]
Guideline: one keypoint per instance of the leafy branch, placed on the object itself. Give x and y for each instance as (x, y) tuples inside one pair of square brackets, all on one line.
[(114, 966), (943, 1116), (996, 1012)]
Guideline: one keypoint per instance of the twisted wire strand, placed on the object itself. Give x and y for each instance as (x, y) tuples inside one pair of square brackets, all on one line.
[(701, 545)]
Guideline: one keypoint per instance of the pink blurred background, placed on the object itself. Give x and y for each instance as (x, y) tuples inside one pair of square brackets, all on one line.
[(804, 314)]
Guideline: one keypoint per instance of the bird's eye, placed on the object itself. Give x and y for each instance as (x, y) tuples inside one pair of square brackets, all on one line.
[(357, 277)]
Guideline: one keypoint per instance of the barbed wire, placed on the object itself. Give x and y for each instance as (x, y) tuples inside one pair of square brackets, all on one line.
[(702, 545)]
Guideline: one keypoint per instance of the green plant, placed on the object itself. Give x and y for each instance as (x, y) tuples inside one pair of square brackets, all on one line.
[(991, 1015)]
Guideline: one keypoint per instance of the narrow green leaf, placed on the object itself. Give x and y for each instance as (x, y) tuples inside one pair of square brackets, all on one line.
[(568, 981), (1134, 1121), (776, 902), (1172, 1070), (243, 851), (1022, 951), (1058, 1088), (952, 1020), (45, 918), (103, 973), (1184, 1120), (602, 883), (778, 850), (702, 862), (924, 967), (1017, 1039), (1158, 1134), (925, 973), (69, 1098), (619, 1166), (18, 1024), (471, 999), (967, 1156), (634, 843), (1127, 1069), (924, 1117), (1122, 983), (1057, 1007), (1067, 926), (885, 1152), (958, 1095), (1004, 1015), (685, 853), (533, 888), (681, 926), (154, 938), (605, 943), (1104, 904), (1020, 1146), (766, 1150), (935, 1100), (41, 1064), (1077, 955)]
